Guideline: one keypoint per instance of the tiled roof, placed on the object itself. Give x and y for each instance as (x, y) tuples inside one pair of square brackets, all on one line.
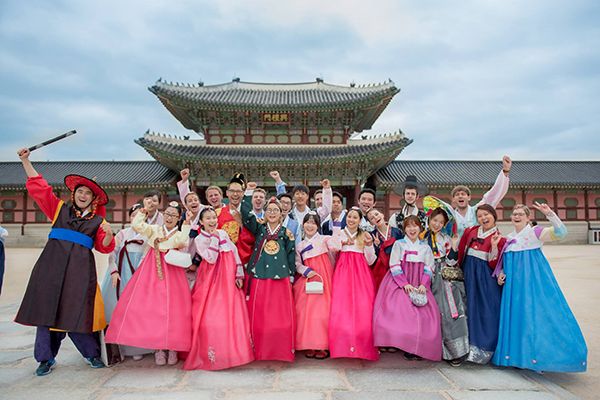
[(163, 147), (524, 174), (291, 96), (109, 174)]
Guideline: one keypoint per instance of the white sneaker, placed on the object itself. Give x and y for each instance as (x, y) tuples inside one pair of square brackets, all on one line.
[(172, 357), (160, 357), (138, 357)]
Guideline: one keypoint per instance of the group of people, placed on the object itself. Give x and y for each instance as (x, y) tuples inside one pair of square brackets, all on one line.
[(219, 285)]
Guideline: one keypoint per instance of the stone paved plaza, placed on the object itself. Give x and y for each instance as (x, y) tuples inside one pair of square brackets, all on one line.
[(577, 269)]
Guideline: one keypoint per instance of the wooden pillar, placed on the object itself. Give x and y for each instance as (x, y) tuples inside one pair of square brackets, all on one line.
[(386, 204), (24, 216), (124, 209), (523, 197), (356, 193), (586, 204), (555, 201)]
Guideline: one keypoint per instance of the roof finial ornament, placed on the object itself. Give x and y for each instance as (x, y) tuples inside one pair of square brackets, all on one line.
[(200, 83), (319, 79), (352, 84), (159, 79), (235, 79)]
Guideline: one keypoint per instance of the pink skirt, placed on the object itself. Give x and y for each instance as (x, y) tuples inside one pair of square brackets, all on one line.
[(397, 322), (154, 313), (271, 310), (221, 328), (350, 323), (312, 310)]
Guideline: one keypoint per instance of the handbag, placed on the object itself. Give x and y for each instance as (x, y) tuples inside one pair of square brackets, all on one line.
[(452, 274), (417, 298), (314, 287), (178, 258)]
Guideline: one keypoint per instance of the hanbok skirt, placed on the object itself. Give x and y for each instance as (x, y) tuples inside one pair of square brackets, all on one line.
[(538, 331), (451, 299), (381, 268), (351, 320), (109, 295), (272, 326), (312, 310), (154, 313), (483, 301), (221, 328), (397, 322)]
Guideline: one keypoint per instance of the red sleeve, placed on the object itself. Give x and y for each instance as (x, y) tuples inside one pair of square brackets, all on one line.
[(494, 262), (100, 235), (462, 246), (43, 195)]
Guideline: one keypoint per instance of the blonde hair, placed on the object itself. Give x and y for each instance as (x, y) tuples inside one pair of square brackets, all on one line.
[(522, 207), (213, 187)]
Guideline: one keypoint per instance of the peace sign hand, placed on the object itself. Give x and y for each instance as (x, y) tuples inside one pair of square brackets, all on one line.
[(543, 208)]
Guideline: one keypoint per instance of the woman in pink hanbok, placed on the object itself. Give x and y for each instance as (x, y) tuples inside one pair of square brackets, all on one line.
[(312, 309), (155, 309), (397, 322), (353, 294), (221, 328)]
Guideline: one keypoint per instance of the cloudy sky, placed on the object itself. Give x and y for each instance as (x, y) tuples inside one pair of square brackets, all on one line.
[(478, 78)]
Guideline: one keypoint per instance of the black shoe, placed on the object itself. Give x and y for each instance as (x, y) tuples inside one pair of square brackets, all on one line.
[(95, 362), (45, 367), (412, 357)]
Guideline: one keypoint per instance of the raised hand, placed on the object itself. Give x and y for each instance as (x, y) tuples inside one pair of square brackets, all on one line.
[(455, 241), (188, 218), (496, 239), (368, 241), (506, 163), (251, 185), (543, 208), (275, 175), (185, 174), (105, 226), (326, 183), (23, 153)]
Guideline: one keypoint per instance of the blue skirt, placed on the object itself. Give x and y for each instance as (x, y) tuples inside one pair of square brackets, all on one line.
[(538, 331), (109, 293), (483, 309)]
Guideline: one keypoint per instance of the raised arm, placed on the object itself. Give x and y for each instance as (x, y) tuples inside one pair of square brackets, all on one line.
[(279, 183), (183, 186), (369, 250), (38, 188), (248, 219), (325, 209), (140, 226), (500, 188), (557, 231)]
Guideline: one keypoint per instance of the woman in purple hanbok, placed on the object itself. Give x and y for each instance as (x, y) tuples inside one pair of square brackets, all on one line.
[(397, 322)]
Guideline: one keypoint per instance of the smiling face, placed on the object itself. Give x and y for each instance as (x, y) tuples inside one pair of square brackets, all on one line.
[(258, 200), (437, 223), (461, 199), (83, 197), (318, 200), (376, 218), (353, 220), (520, 218), (310, 228), (412, 231), (209, 220), (214, 197), (192, 202), (273, 214), (286, 204), (300, 198), (151, 204), (337, 206), (171, 216), (410, 196), (235, 194), (366, 201), (485, 219)]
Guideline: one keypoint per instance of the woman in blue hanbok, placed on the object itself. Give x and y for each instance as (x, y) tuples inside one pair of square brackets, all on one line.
[(537, 331)]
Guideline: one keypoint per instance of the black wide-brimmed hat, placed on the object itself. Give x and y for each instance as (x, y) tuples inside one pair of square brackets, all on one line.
[(411, 182)]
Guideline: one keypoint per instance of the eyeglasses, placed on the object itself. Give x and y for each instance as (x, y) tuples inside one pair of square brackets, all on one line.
[(235, 191), (519, 214), (171, 215), (272, 210)]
